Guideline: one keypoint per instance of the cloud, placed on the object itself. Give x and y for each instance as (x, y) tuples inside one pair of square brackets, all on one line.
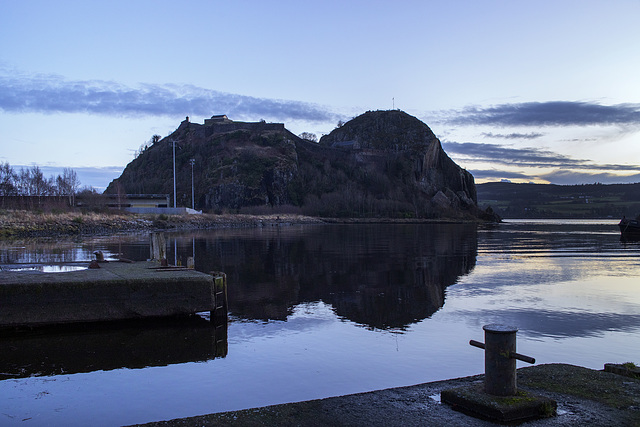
[(515, 135), (560, 177), (482, 152), (565, 177), (525, 157), (54, 94), (552, 113), (498, 174)]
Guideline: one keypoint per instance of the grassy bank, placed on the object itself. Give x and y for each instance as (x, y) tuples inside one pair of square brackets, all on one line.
[(16, 224), (19, 223)]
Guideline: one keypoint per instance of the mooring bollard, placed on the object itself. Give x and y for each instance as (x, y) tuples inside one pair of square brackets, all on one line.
[(500, 359), (157, 246), (220, 302)]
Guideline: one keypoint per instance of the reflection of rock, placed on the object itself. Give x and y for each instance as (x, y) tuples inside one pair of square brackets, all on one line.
[(377, 275), (406, 283)]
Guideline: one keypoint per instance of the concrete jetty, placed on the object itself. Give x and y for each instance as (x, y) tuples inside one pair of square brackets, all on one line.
[(584, 396), (114, 291)]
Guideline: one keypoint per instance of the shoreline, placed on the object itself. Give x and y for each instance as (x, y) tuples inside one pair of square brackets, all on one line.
[(584, 397), (27, 224)]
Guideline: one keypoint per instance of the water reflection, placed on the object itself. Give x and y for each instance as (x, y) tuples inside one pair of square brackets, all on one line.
[(80, 348), (379, 277), (554, 279), (317, 309)]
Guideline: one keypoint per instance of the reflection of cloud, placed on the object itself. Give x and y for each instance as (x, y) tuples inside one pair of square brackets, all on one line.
[(53, 94), (553, 113), (546, 323)]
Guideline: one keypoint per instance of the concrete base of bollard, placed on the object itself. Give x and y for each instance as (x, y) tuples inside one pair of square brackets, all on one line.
[(474, 401)]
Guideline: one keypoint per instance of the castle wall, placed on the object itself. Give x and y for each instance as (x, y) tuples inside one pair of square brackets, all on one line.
[(218, 127)]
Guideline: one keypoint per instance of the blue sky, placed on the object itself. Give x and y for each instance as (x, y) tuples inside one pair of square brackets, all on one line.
[(544, 91)]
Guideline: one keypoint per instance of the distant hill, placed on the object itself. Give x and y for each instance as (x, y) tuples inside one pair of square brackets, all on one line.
[(511, 200), (380, 164)]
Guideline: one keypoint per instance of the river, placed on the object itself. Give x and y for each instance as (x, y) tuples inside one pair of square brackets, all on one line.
[(327, 310)]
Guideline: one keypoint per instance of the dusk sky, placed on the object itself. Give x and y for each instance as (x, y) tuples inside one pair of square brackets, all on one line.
[(545, 91)]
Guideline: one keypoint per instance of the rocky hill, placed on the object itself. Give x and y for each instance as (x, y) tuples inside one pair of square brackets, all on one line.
[(380, 164)]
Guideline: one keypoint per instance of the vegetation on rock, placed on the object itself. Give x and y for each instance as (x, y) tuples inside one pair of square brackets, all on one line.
[(380, 164)]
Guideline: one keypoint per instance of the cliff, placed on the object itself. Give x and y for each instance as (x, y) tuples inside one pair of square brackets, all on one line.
[(380, 164), (405, 148)]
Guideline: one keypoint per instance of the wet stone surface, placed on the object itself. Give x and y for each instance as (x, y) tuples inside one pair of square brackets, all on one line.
[(584, 397)]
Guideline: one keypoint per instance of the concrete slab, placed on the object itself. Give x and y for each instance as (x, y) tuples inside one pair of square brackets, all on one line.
[(584, 396), (473, 400), (115, 291)]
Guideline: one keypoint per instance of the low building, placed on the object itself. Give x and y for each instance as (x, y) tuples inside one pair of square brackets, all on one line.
[(137, 200)]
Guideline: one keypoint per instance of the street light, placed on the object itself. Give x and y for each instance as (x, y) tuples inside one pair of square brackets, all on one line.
[(174, 174), (193, 200)]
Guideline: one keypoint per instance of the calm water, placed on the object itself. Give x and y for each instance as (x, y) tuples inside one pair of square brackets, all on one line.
[(318, 311)]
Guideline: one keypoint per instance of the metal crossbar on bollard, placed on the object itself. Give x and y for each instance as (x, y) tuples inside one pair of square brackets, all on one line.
[(500, 359)]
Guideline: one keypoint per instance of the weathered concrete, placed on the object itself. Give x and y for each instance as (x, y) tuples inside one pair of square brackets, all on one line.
[(521, 406), (115, 291), (584, 396)]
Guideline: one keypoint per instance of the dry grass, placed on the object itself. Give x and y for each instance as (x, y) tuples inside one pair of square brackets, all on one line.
[(18, 223)]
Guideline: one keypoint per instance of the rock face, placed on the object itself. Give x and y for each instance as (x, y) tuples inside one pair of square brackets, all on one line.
[(236, 165), (380, 164), (397, 136)]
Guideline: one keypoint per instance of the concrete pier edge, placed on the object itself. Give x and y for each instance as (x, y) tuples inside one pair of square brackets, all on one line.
[(584, 396), (111, 291)]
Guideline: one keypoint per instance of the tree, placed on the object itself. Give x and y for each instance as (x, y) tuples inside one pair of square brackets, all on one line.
[(38, 184), (68, 184), (309, 136), (7, 180)]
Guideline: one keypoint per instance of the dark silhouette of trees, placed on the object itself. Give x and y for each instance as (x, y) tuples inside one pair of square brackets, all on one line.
[(309, 136), (31, 183), (7, 180)]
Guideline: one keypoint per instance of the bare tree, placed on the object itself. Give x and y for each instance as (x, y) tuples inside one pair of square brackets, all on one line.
[(68, 184), (7, 180), (22, 181), (309, 136), (38, 184)]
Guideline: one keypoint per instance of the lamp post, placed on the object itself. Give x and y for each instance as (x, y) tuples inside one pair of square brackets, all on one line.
[(174, 174), (193, 200)]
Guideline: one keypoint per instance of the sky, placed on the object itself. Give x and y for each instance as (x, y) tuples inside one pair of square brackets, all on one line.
[(545, 91)]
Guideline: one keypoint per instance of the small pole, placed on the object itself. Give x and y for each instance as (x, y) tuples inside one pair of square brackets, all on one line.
[(193, 200), (174, 174)]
